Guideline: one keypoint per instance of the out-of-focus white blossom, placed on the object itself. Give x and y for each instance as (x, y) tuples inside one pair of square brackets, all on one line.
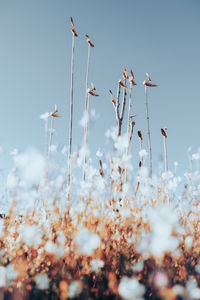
[(130, 288), (87, 241), (45, 116), (42, 281), (2, 277), (31, 165), (75, 288), (96, 265)]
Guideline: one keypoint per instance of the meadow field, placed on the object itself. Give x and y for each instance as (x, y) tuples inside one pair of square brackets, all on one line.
[(114, 229)]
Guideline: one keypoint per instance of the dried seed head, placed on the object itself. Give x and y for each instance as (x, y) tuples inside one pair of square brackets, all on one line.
[(92, 93), (149, 84), (123, 85), (89, 41), (73, 28), (93, 87), (132, 81), (163, 132), (74, 31), (149, 78), (140, 134), (55, 115), (125, 73), (140, 164), (72, 21), (100, 162), (132, 75)]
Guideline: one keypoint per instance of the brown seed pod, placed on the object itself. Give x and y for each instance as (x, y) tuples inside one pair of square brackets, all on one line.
[(149, 84), (125, 73), (132, 75), (55, 115), (139, 132), (89, 41), (123, 85), (93, 87), (92, 93), (132, 81), (149, 78), (74, 31), (100, 162), (72, 21), (163, 132)]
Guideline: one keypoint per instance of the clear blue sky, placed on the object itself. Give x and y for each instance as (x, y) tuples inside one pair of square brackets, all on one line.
[(154, 36)]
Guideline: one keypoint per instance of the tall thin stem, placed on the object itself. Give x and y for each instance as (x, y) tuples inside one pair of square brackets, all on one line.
[(165, 151), (51, 135), (129, 110), (86, 136), (87, 76), (71, 113), (148, 132), (141, 147)]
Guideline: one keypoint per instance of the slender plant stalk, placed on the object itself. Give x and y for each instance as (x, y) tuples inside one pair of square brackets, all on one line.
[(129, 142), (119, 115), (165, 150), (51, 136), (123, 103), (117, 111), (46, 137), (141, 147), (148, 132), (71, 112), (87, 76), (129, 109), (86, 136)]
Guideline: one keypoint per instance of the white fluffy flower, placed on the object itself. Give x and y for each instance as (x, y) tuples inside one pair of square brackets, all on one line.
[(75, 288), (45, 116), (87, 241), (96, 265), (31, 165), (2, 277), (42, 281), (130, 288)]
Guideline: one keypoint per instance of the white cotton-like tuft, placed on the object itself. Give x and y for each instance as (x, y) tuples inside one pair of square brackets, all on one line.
[(45, 116), (121, 143), (82, 122), (130, 288), (143, 153), (163, 221), (32, 235), (75, 288), (2, 277), (12, 180), (189, 241), (161, 280), (31, 165), (11, 274), (96, 265), (42, 281), (99, 153), (87, 241)]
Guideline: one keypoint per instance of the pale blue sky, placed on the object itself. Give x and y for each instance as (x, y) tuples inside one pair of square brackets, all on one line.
[(154, 36)]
